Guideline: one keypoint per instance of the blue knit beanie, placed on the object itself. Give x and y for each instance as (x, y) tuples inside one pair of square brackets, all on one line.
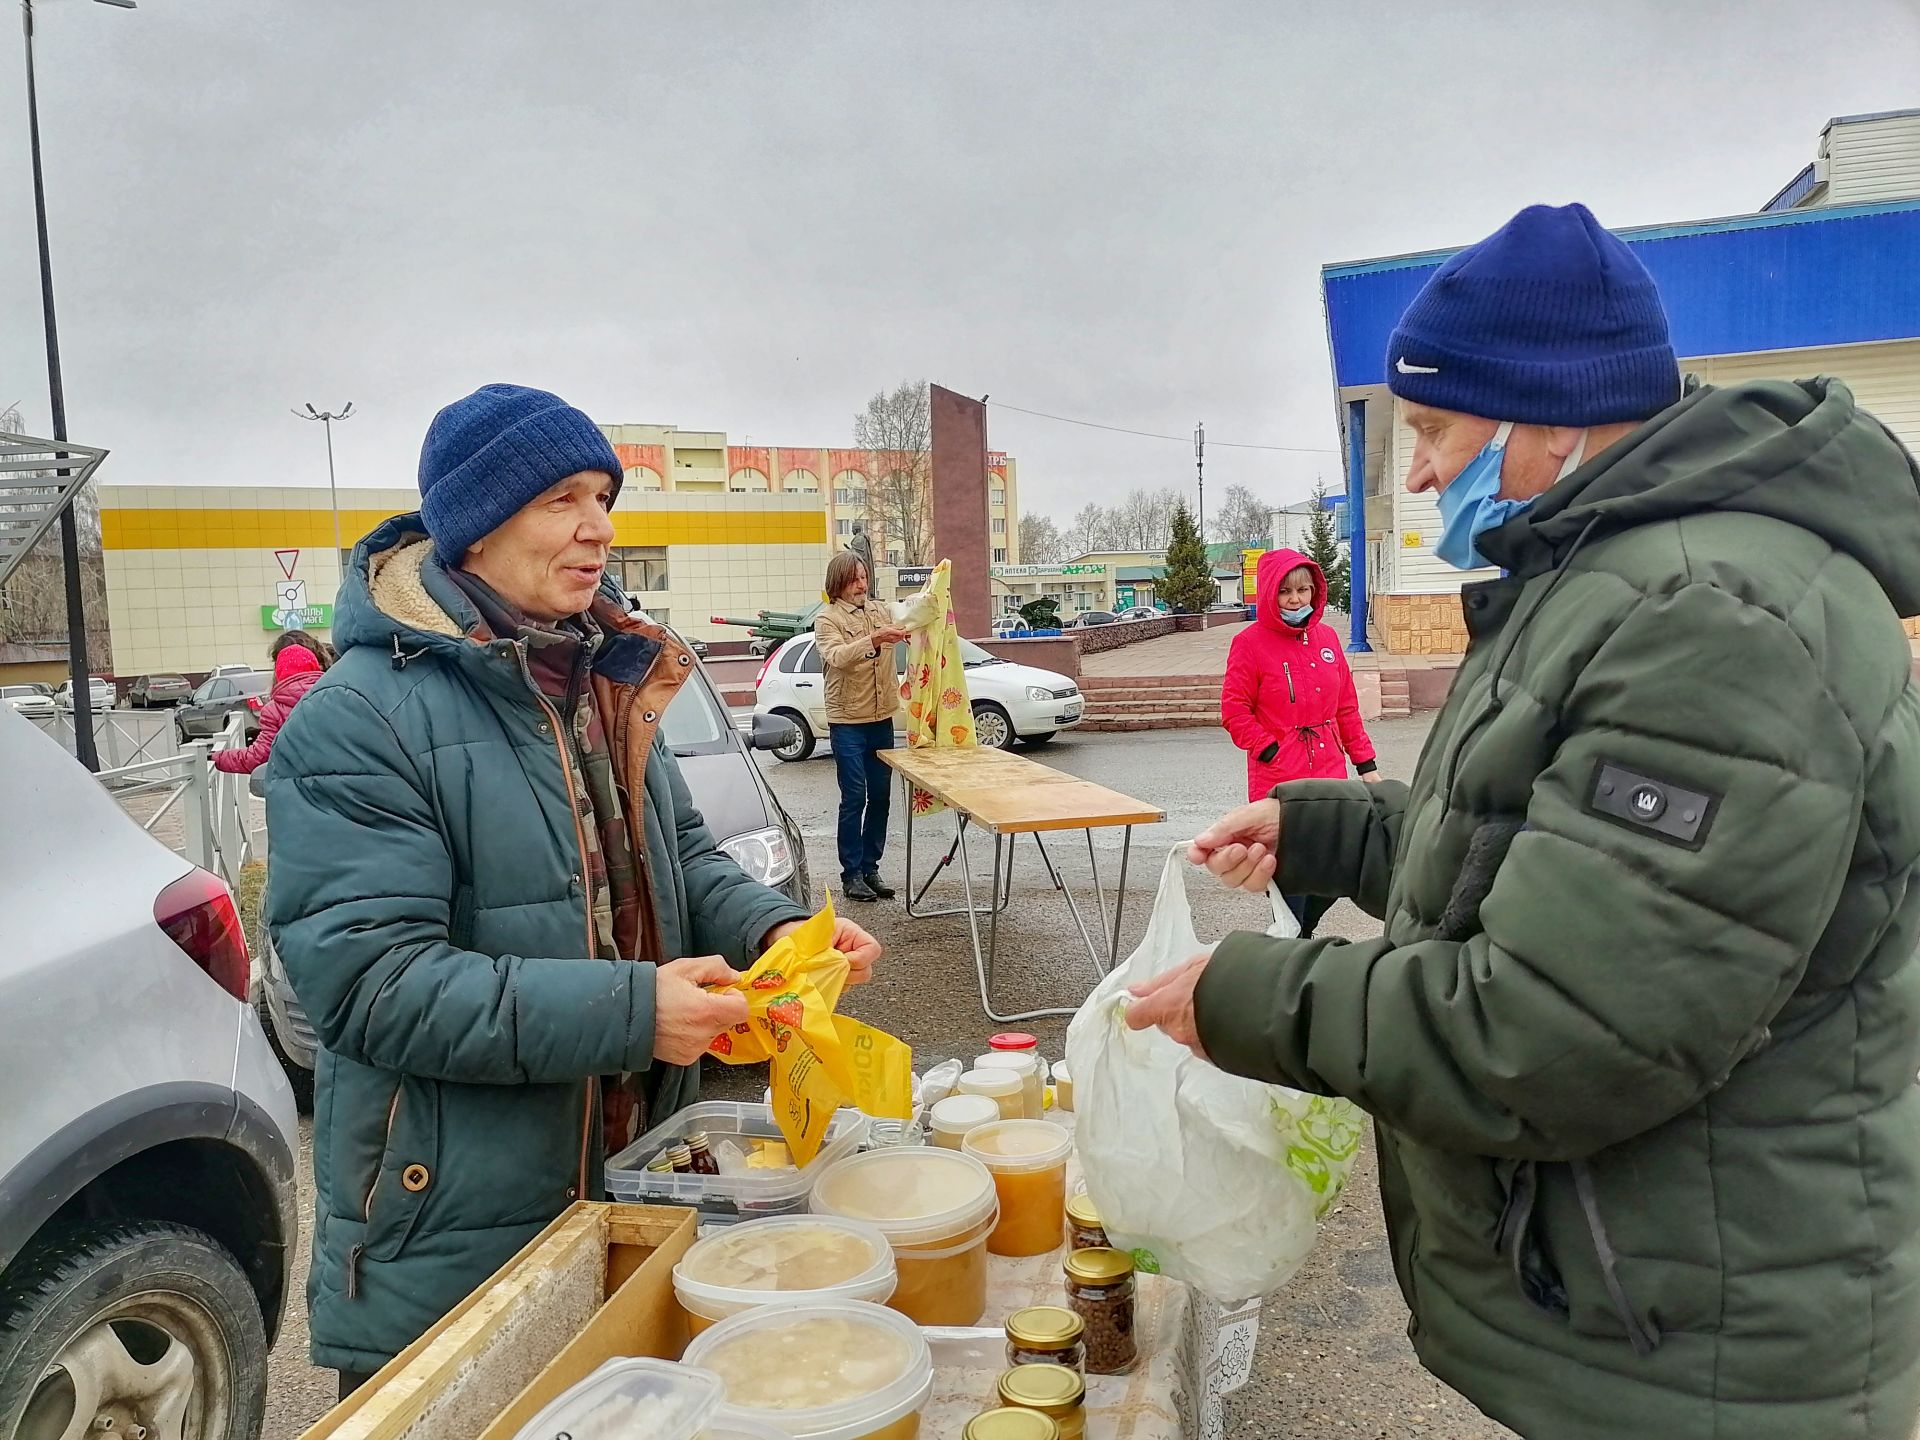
[(487, 455), (1550, 320)]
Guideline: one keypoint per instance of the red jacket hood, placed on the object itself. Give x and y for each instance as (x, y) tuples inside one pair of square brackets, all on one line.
[(295, 660), (1274, 567)]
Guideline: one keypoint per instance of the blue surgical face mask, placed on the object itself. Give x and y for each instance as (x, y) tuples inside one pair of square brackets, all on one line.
[(1298, 615), (1471, 505)]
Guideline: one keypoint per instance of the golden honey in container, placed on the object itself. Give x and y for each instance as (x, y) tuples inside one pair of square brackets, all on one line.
[(1006, 1089), (936, 1207), (1028, 1162), (784, 1260)]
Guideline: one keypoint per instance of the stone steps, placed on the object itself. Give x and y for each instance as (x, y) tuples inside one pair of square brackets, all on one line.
[(1396, 697), (1148, 721)]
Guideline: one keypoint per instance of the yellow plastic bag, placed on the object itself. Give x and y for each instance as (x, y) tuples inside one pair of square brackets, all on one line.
[(820, 1060), (934, 690)]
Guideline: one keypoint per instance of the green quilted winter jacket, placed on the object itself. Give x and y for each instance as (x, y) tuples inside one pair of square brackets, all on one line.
[(427, 901), (1641, 1035)]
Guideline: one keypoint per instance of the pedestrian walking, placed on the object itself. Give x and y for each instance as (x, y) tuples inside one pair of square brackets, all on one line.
[(1288, 698), (1641, 1032), (855, 637), (298, 661), (493, 896)]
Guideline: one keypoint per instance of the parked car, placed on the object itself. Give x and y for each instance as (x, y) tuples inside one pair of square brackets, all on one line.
[(1009, 627), (33, 701), (99, 694), (204, 713), (731, 794), (1009, 701), (148, 691), (1088, 618), (1141, 612), (231, 670), (147, 1198)]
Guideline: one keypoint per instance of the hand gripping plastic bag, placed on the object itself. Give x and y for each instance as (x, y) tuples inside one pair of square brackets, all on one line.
[(820, 1060), (1207, 1177)]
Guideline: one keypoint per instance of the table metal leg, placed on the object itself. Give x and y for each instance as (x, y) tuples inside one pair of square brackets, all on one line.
[(1099, 903), (1120, 896), (957, 850)]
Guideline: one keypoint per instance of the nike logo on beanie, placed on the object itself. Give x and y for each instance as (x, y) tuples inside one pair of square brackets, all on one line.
[(1405, 369)]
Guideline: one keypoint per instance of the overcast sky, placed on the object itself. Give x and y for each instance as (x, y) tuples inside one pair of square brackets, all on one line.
[(751, 216)]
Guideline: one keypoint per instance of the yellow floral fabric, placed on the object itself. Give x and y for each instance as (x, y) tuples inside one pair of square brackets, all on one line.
[(934, 689)]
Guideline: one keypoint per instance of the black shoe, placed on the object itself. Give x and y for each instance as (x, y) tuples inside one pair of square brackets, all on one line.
[(855, 887), (877, 885)]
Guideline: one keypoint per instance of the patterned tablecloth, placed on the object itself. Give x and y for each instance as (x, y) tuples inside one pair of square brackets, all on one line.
[(1193, 1352)]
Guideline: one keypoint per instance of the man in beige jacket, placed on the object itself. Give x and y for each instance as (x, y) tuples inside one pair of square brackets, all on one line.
[(855, 637)]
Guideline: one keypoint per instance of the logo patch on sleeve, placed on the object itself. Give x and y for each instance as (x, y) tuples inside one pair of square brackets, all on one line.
[(1641, 802)]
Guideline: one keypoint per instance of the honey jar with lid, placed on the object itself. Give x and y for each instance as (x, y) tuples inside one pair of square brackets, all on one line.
[(1008, 1423), (1084, 1229), (1054, 1391), (1046, 1335)]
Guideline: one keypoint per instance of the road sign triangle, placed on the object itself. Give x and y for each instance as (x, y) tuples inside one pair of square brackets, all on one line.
[(288, 559)]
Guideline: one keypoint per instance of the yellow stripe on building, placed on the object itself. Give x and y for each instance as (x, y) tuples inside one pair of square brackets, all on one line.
[(194, 529)]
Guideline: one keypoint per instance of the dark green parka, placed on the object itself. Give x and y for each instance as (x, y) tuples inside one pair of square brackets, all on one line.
[(428, 903), (1642, 1032)]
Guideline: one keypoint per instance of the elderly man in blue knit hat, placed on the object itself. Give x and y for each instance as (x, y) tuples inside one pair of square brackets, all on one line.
[(1641, 1031), (493, 896)]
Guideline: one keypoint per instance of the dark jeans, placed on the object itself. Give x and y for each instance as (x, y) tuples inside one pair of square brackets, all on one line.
[(865, 793), (350, 1382), (1308, 909)]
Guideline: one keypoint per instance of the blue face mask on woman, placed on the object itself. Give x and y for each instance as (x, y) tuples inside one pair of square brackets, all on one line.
[(1471, 505), (1299, 615)]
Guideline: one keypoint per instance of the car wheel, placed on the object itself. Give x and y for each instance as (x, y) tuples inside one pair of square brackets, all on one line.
[(992, 726), (800, 747), (1046, 739), (139, 1327)]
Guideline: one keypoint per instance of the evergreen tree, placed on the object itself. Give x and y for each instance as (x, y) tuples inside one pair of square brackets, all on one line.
[(1323, 548), (1188, 586)]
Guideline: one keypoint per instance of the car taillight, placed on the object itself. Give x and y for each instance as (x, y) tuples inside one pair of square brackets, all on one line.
[(198, 914), (254, 702), (765, 665)]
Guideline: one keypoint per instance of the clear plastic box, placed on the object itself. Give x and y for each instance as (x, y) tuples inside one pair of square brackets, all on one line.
[(630, 1397), (725, 1198)]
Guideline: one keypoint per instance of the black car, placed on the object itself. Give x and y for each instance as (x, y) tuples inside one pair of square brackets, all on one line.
[(204, 714), (148, 691), (733, 797)]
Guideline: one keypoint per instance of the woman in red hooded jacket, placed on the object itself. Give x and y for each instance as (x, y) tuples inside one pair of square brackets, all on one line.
[(296, 665), (1288, 699)]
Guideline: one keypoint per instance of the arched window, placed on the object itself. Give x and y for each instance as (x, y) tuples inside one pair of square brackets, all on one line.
[(800, 482), (640, 477), (745, 481)]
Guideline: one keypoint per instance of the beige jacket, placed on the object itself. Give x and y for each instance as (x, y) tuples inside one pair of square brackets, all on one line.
[(861, 684)]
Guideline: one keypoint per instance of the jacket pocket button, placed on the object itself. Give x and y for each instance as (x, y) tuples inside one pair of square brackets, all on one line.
[(650, 717), (573, 1192), (415, 1178), (545, 728)]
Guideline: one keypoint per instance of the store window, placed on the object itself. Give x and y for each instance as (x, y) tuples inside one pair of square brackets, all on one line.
[(639, 568)]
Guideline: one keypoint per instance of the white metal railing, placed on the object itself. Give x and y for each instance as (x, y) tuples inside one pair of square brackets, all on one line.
[(216, 809)]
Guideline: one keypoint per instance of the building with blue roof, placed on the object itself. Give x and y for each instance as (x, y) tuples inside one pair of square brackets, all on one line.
[(1823, 279)]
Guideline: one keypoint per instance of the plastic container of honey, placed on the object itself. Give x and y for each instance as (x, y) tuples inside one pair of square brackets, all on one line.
[(1026, 1065), (950, 1119), (838, 1370), (788, 1260), (1062, 1086), (1005, 1088), (1028, 1162), (936, 1207), (637, 1396)]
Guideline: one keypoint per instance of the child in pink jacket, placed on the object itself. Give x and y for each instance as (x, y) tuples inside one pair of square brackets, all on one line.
[(1288, 699)]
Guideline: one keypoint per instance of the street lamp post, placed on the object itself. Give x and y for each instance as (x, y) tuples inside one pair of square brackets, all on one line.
[(1200, 474), (80, 672), (326, 418)]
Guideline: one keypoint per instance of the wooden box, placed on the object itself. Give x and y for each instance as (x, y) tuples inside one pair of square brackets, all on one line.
[(595, 1284)]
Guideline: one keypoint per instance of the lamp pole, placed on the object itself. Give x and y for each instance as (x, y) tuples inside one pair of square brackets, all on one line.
[(79, 671), (1200, 474), (326, 418)]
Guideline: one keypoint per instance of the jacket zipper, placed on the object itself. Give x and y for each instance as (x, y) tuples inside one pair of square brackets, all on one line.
[(586, 875), (366, 1208), (1288, 671)]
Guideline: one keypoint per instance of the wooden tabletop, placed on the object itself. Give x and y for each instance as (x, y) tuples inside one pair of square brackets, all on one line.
[(1011, 795)]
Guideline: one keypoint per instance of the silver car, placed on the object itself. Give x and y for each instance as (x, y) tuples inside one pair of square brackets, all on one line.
[(147, 1139), (33, 701)]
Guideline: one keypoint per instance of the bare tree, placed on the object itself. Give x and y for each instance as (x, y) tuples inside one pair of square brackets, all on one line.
[(1040, 540), (896, 429), (1092, 529), (1143, 520), (1243, 519)]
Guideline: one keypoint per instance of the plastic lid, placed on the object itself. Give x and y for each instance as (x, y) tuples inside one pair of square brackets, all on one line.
[(1082, 1211), (1045, 1327), (996, 1081), (1099, 1267), (1019, 1144), (912, 1194), (1010, 1424), (801, 1255), (1060, 1072), (654, 1398), (963, 1112), (1020, 1062), (1013, 1040), (740, 1428), (829, 1371), (1048, 1388)]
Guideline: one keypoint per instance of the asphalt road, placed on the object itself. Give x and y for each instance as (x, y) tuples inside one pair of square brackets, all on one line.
[(1333, 1356)]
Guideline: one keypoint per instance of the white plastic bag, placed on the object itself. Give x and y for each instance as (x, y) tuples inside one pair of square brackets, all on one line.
[(1210, 1178)]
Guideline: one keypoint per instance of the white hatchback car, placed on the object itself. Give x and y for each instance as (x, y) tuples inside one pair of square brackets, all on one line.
[(1009, 701)]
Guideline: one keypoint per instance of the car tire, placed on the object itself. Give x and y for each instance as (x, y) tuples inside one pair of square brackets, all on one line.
[(992, 726), (801, 746), (95, 1314), (1042, 739)]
